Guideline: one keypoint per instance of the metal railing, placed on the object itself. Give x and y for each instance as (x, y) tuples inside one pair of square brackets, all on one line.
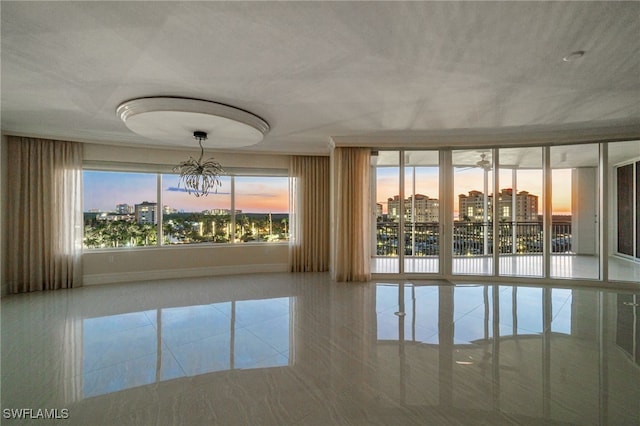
[(423, 238)]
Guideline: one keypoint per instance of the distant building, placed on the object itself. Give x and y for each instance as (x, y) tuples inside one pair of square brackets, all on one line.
[(124, 209), (471, 206), (168, 210), (146, 212), (526, 205), (112, 217), (379, 210), (218, 212), (426, 209)]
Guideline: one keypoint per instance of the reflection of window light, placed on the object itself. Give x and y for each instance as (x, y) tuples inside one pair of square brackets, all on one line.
[(117, 345)]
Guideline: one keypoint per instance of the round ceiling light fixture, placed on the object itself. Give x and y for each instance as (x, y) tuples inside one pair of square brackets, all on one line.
[(172, 121)]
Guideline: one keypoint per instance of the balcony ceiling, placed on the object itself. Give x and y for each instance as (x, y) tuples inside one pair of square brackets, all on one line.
[(414, 74)]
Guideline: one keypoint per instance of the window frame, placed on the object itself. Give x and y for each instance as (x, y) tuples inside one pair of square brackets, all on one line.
[(162, 169)]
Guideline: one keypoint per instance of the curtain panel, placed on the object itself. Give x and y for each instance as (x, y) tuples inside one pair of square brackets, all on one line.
[(351, 203), (309, 207), (44, 214)]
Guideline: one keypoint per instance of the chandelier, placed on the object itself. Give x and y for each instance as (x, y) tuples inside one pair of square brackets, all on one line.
[(199, 177)]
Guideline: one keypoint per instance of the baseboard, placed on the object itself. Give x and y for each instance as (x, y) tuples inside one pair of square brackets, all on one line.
[(123, 277)]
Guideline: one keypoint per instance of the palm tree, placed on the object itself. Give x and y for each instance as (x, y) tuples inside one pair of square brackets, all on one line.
[(148, 231)]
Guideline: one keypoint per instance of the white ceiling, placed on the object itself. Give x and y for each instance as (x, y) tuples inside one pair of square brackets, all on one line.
[(389, 73)]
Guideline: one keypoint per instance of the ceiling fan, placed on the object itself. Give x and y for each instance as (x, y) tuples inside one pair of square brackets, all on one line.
[(483, 163)]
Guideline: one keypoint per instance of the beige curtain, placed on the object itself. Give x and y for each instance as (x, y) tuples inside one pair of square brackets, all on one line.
[(309, 206), (44, 214), (351, 204)]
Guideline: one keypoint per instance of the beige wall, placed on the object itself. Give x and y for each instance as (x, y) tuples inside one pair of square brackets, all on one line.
[(151, 263), (113, 153)]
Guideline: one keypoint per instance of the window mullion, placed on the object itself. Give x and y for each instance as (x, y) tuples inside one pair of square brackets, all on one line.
[(232, 233), (401, 213), (159, 209)]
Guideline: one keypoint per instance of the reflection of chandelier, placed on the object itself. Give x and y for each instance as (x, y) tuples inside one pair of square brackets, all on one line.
[(198, 177)]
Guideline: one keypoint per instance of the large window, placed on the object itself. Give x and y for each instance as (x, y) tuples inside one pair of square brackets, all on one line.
[(385, 172), (575, 247), (520, 212), (422, 212), (187, 219), (120, 209), (559, 212), (125, 209), (473, 211), (405, 188), (261, 208)]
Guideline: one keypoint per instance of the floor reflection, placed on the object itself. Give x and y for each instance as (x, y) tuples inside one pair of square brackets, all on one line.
[(140, 348), (528, 352), (301, 349)]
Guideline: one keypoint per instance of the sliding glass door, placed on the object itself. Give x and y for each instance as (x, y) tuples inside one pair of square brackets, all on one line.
[(422, 209), (560, 212), (520, 209), (406, 211), (575, 219), (385, 179), (473, 206)]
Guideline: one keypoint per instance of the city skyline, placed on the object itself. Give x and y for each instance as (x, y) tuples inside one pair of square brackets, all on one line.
[(387, 185), (105, 190)]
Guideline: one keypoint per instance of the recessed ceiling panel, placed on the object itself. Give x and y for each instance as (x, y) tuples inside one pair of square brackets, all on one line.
[(172, 121)]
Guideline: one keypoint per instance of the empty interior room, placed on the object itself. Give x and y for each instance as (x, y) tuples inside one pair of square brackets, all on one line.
[(320, 213)]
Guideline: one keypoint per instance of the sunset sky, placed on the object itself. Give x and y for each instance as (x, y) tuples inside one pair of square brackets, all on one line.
[(104, 190)]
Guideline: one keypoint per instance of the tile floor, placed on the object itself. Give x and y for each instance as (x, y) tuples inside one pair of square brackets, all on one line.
[(299, 349)]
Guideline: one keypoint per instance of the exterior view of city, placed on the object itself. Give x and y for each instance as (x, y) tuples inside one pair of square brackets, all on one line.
[(113, 219), (520, 230), (137, 225)]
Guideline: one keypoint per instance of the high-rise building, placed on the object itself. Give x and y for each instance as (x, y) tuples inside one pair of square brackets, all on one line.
[(426, 208), (146, 212), (379, 210), (526, 205), (124, 209), (471, 207)]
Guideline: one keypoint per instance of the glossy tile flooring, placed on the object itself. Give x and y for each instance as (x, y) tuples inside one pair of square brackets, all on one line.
[(299, 349)]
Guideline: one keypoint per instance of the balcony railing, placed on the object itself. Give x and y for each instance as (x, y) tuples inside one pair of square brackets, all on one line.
[(423, 238)]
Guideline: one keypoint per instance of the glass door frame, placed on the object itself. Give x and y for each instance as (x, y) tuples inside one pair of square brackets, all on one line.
[(446, 207)]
